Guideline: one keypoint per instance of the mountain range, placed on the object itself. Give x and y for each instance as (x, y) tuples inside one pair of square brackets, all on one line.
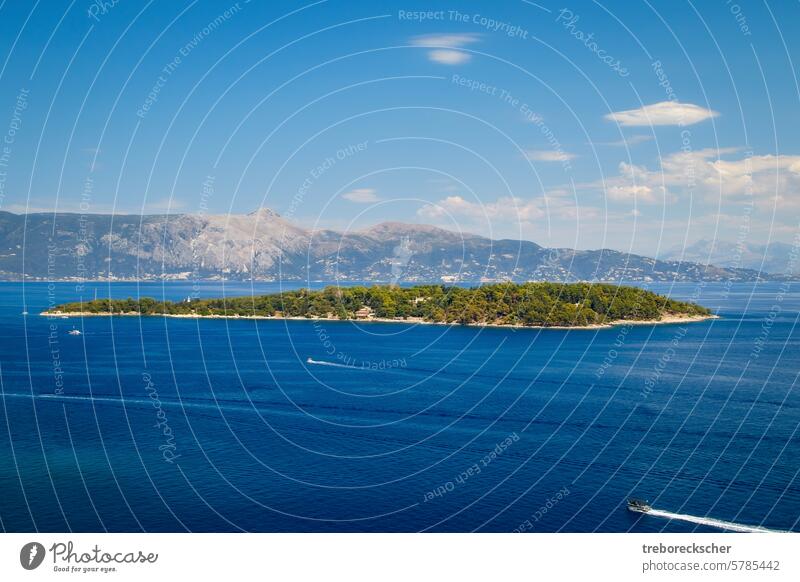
[(263, 245), (775, 257)]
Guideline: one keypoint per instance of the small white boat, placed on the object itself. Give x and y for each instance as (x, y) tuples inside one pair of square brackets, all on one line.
[(638, 506), (74, 331)]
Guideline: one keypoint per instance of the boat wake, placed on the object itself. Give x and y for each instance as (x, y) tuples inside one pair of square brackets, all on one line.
[(717, 523), (331, 364)]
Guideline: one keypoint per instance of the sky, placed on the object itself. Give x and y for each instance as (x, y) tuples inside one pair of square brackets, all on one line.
[(635, 126)]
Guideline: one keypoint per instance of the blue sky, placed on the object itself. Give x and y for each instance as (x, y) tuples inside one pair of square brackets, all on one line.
[(638, 126)]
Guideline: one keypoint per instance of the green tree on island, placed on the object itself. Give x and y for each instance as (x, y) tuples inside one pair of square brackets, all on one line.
[(531, 304)]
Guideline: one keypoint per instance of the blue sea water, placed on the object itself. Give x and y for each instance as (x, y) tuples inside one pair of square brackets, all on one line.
[(164, 424)]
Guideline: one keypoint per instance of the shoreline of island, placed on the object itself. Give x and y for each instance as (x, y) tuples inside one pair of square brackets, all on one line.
[(668, 319)]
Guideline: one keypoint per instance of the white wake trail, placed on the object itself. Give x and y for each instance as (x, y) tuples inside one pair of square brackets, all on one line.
[(331, 364), (718, 523)]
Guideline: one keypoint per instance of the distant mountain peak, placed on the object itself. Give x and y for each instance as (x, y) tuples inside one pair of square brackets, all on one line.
[(263, 245), (264, 212), (775, 257), (395, 228)]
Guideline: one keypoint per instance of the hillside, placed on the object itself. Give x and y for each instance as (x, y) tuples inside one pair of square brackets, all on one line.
[(775, 257), (263, 245)]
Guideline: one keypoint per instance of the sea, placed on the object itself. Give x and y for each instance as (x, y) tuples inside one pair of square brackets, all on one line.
[(224, 425)]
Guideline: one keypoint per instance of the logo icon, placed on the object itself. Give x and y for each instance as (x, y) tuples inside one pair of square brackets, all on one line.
[(31, 555)]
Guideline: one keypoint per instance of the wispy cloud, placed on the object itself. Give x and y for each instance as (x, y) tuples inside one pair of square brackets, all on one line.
[(445, 47), (663, 113), (448, 57), (361, 196), (549, 156), (506, 208), (637, 192), (445, 40)]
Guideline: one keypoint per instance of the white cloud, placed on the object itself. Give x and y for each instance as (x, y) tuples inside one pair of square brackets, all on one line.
[(445, 40), (445, 47), (766, 178), (633, 192), (549, 156), (505, 211), (361, 196), (448, 57), (664, 113), (507, 208)]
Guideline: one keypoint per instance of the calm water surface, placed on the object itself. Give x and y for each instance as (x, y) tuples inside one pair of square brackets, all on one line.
[(157, 424)]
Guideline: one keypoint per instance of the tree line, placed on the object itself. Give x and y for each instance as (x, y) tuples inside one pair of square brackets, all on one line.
[(539, 304)]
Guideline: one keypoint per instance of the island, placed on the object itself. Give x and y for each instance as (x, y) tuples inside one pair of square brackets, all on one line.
[(559, 305)]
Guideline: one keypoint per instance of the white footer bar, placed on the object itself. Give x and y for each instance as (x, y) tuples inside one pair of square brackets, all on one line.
[(401, 557)]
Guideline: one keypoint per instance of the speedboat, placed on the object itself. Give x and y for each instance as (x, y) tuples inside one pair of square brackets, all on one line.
[(74, 331), (638, 506)]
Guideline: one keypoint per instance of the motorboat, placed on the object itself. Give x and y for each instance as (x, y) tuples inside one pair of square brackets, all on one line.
[(638, 506)]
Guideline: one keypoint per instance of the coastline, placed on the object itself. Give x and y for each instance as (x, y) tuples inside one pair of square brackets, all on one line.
[(665, 320)]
